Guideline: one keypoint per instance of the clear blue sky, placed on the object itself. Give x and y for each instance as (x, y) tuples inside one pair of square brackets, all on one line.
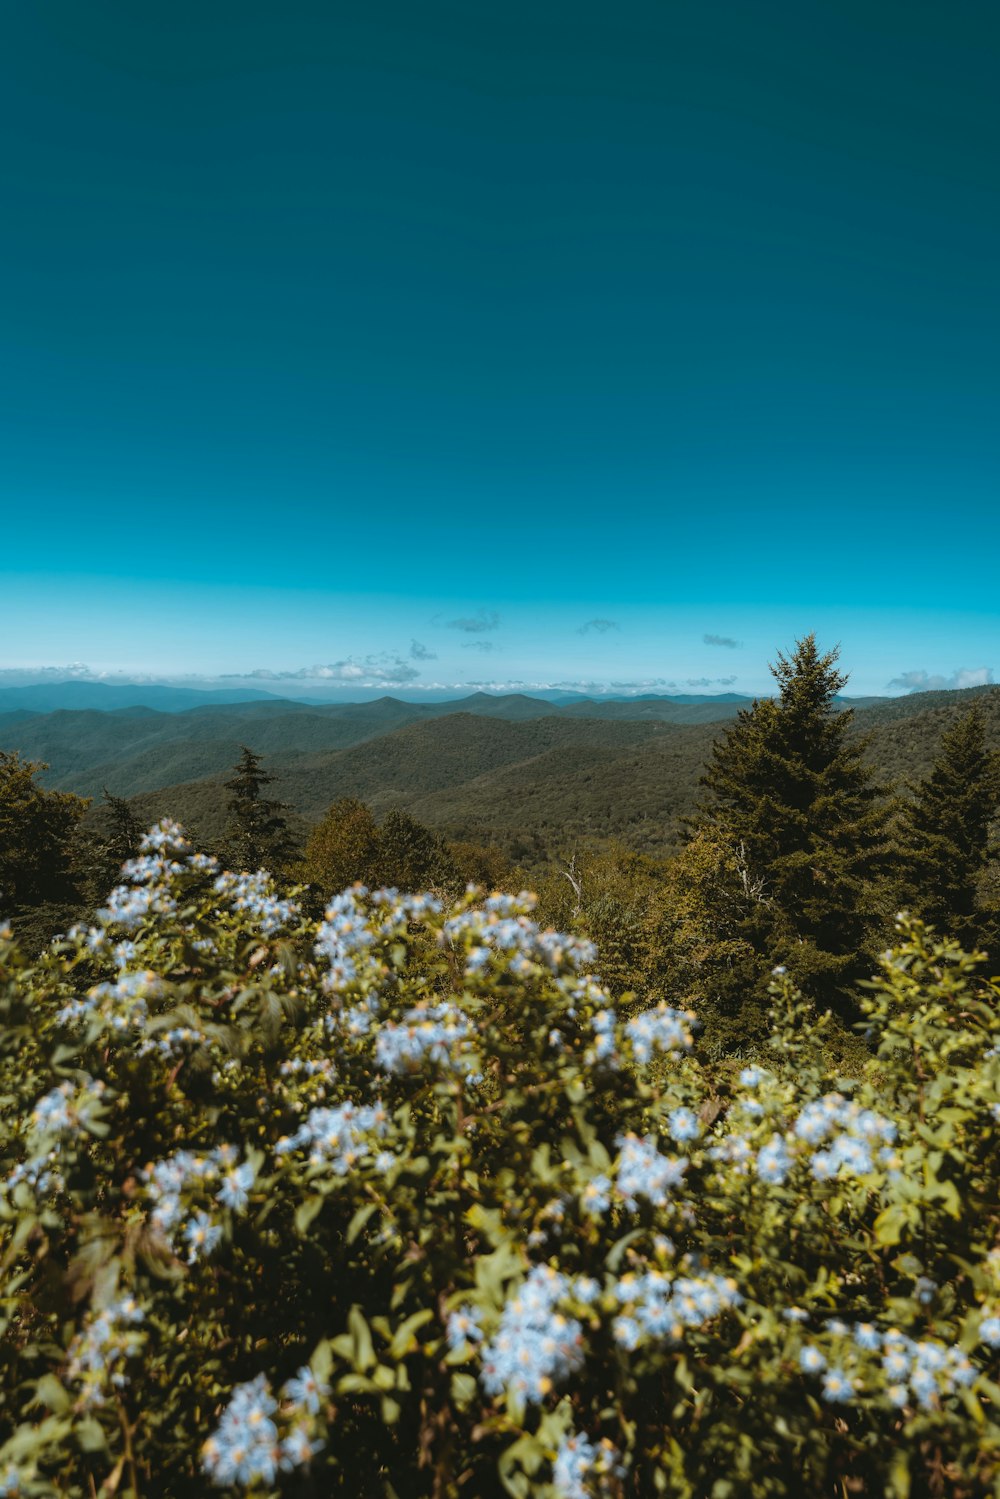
[(324, 327)]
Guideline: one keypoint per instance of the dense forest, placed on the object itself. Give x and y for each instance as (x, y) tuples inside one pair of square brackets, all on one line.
[(698, 844)]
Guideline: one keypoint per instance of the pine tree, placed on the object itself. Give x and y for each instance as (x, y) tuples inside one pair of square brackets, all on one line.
[(790, 794), (947, 835), (112, 838), (124, 833), (258, 835)]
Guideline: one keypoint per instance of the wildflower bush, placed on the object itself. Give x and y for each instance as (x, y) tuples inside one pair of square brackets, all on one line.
[(397, 1203)]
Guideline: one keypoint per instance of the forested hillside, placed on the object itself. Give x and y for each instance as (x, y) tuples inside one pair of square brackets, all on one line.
[(514, 792), (511, 769)]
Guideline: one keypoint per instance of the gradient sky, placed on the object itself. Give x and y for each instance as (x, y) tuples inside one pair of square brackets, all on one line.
[(325, 330)]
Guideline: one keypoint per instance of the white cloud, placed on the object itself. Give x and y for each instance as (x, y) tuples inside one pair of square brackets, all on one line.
[(369, 671), (77, 671), (600, 626), (923, 681), (726, 641)]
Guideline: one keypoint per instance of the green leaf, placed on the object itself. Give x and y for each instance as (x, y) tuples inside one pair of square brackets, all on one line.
[(50, 1392), (307, 1211), (359, 1219), (361, 1337), (889, 1224), (90, 1435), (404, 1338)]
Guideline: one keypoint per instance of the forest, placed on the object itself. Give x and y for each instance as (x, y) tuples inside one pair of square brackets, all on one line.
[(335, 1161), (695, 850)]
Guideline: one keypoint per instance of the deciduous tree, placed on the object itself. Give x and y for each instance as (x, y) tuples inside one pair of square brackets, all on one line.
[(36, 828)]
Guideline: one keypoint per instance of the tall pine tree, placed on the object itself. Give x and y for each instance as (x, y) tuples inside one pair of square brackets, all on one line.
[(258, 835), (947, 835), (789, 791)]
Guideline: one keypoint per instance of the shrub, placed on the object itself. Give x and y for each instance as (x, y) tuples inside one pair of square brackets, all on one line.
[(397, 1204)]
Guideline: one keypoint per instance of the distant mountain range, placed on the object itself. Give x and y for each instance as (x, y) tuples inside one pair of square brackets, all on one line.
[(503, 767), (48, 697)]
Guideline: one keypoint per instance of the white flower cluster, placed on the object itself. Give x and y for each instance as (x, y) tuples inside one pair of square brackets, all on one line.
[(653, 1305), (128, 905), (337, 1137), (644, 1171), (179, 1187), (247, 1447), (437, 1034), (99, 1350), (910, 1373), (344, 936), (255, 895), (351, 929), (584, 1469), (502, 926), (61, 1115), (65, 1110), (121, 1003), (536, 1346), (604, 1025), (662, 1028), (166, 853), (854, 1141)]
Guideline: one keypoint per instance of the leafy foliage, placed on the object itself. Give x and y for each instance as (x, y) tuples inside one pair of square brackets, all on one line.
[(35, 830), (398, 1203)]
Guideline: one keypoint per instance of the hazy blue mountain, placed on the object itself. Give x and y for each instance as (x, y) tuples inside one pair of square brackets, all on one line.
[(47, 697)]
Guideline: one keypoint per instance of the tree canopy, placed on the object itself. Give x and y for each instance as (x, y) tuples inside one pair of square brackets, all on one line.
[(36, 828)]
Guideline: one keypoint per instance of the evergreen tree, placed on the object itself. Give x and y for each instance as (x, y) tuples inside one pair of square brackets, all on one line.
[(258, 835), (947, 835), (120, 842), (36, 829), (789, 793)]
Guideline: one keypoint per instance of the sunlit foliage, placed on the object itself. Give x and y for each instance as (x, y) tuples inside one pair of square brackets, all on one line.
[(398, 1203)]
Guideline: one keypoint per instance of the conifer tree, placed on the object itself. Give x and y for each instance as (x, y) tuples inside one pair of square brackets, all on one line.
[(124, 833), (113, 841), (790, 794), (258, 835), (947, 835)]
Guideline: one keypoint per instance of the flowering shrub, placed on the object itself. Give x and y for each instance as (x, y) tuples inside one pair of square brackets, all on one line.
[(398, 1204)]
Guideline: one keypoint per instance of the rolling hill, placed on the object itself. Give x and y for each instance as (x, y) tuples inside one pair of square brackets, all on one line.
[(504, 768), (132, 750)]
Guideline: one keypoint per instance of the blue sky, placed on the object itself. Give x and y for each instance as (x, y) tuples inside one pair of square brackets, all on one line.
[(323, 331)]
